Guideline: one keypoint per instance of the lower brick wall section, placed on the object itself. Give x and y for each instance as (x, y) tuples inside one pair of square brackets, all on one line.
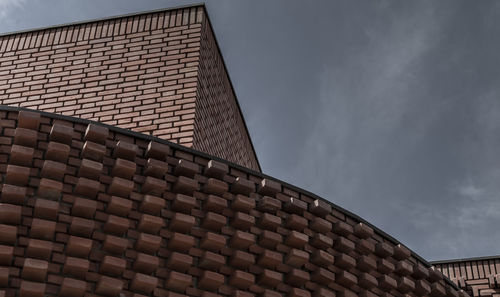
[(91, 210), (479, 277)]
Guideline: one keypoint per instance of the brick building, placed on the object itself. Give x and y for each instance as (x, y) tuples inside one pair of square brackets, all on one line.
[(132, 173)]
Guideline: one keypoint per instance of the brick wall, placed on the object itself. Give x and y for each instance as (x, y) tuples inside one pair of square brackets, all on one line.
[(88, 210), (479, 277), (136, 72), (214, 129)]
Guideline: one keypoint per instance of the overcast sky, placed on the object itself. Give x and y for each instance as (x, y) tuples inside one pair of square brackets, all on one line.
[(390, 109)]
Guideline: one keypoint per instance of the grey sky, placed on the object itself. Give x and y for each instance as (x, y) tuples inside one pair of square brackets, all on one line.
[(390, 109)]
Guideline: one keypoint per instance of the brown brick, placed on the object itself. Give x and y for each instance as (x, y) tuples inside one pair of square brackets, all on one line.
[(17, 175), (42, 229), (320, 225), (90, 169), (123, 168), (269, 204), (366, 263), (120, 187), (46, 209), (401, 252), (25, 137), (296, 257), (145, 263), (21, 155), (215, 203), (177, 281), (241, 280), (270, 259), (363, 231), (295, 292), (108, 286), (6, 254), (72, 287), (268, 187), (182, 262), (242, 240), (367, 281), (345, 261), (242, 186), (96, 133), (39, 249), (269, 239), (10, 214), (28, 119), (112, 266), (342, 228), (384, 266), (153, 186), (296, 206), (4, 277), (148, 243), (61, 133), (116, 225), (181, 222), (270, 278), (125, 150), (156, 168), (119, 206), (57, 152), (35, 270), (323, 276), (242, 221), (78, 246), (180, 242), (49, 188), (216, 169), (243, 203), (157, 151), (143, 283), (93, 151), (296, 239), (87, 187), (84, 207), (13, 194), (297, 277), (210, 280), (185, 185), (150, 224), (76, 267), (31, 289), (153, 205), (383, 249), (405, 284), (213, 242), (81, 227), (320, 208), (215, 186)]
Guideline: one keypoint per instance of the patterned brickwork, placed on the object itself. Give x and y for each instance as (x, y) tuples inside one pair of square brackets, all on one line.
[(90, 210), (137, 72), (213, 128), (479, 277)]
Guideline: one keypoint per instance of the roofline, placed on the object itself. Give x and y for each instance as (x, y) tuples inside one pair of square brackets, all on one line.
[(103, 19), (232, 87), (483, 258), (236, 166)]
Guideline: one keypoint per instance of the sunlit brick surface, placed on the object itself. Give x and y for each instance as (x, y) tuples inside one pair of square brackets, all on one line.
[(89, 211), (140, 72)]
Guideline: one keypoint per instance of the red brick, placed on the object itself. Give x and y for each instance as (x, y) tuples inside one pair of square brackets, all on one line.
[(21, 155), (177, 281)]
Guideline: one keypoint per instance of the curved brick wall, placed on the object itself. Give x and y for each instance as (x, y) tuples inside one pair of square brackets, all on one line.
[(91, 210)]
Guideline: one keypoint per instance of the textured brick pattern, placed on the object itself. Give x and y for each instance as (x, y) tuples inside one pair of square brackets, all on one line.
[(79, 219), (214, 130), (479, 277), (138, 72)]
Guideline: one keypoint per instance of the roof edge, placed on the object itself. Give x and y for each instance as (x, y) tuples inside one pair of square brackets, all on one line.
[(238, 167), (449, 261), (200, 4)]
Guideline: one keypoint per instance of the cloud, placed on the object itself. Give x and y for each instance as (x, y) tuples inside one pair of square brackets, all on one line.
[(7, 5)]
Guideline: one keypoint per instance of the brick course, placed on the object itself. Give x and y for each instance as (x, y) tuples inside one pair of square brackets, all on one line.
[(237, 242)]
